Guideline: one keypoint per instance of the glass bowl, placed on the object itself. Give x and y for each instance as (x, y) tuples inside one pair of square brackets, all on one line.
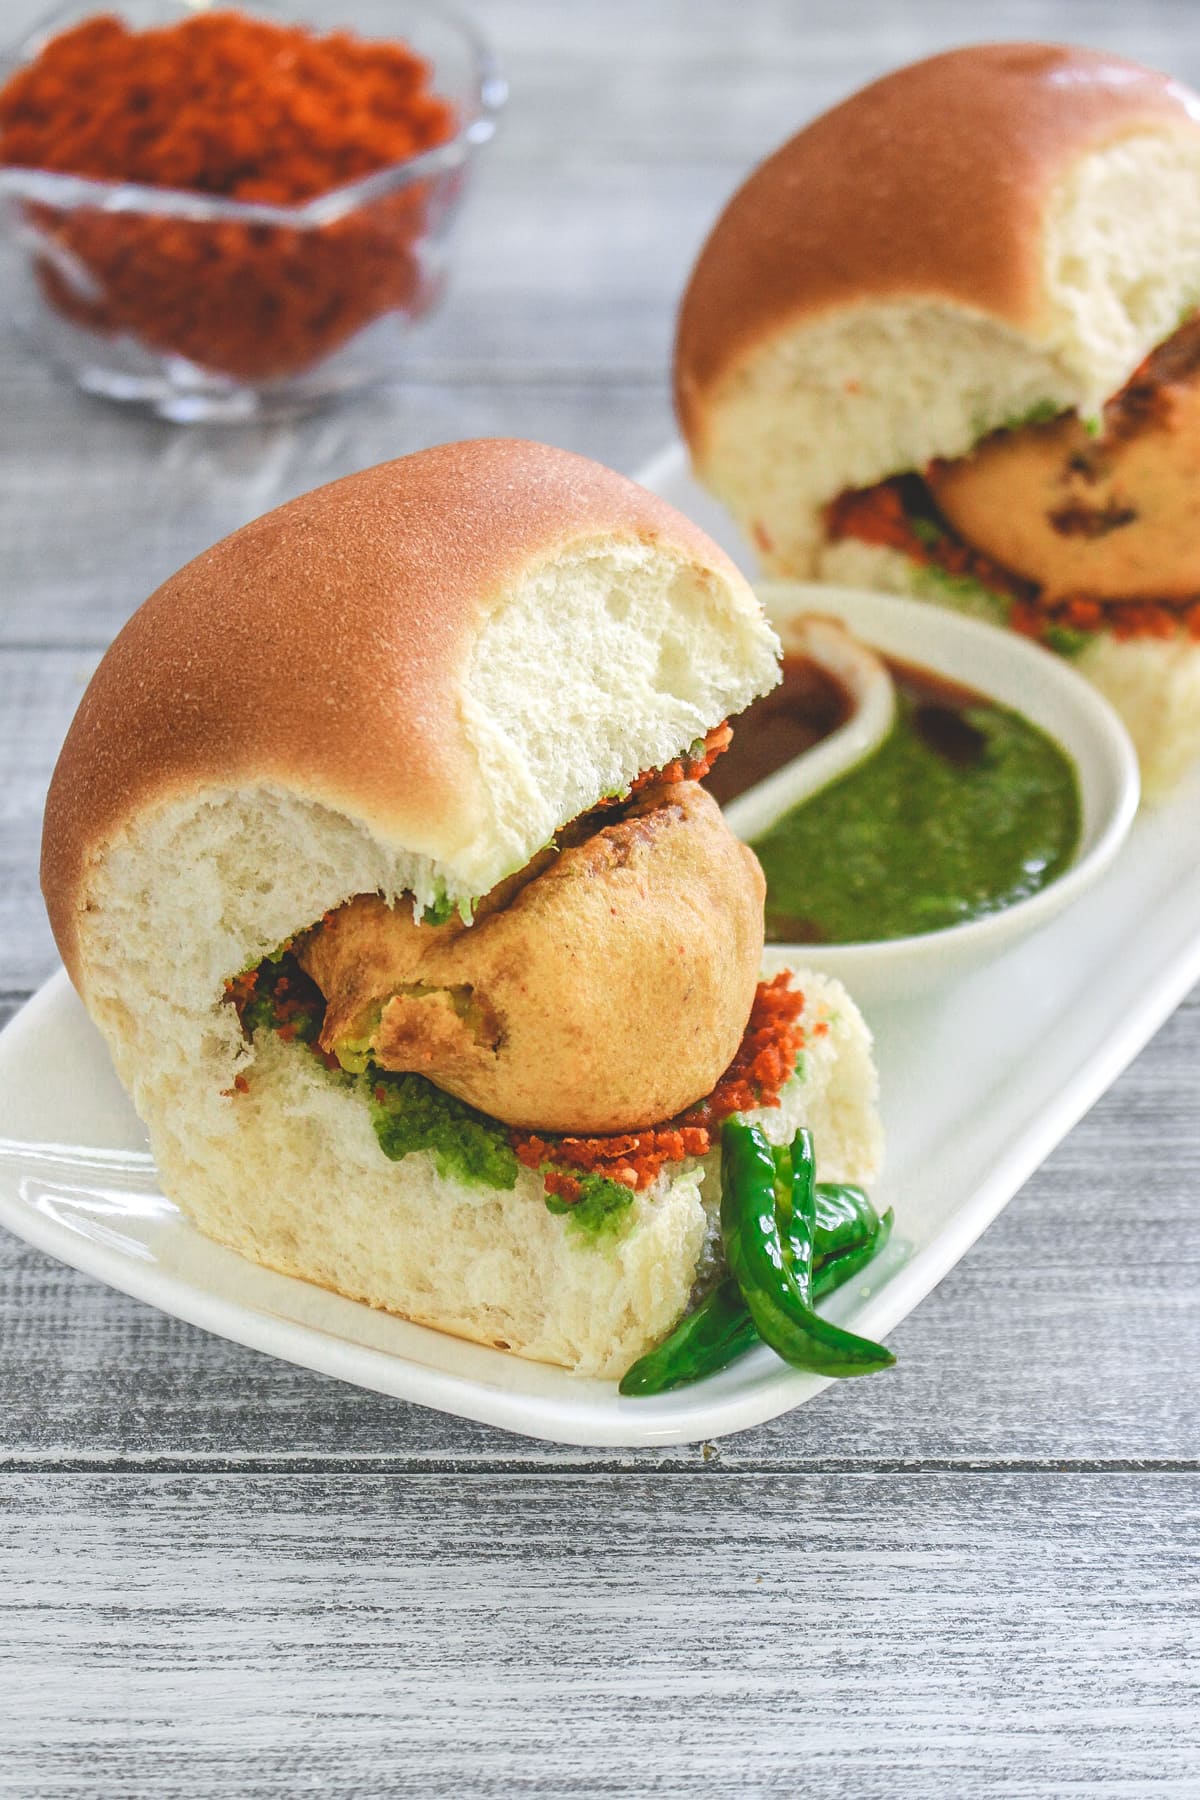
[(201, 308)]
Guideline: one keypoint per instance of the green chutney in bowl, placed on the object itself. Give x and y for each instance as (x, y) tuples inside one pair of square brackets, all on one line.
[(999, 785), (966, 807)]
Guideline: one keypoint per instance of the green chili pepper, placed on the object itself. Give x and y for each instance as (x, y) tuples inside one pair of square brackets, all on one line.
[(836, 1270), (715, 1334), (776, 1296), (797, 1212), (845, 1219), (846, 1234), (720, 1329)]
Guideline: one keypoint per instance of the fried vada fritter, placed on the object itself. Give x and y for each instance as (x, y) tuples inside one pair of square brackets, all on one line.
[(604, 988), (1111, 516)]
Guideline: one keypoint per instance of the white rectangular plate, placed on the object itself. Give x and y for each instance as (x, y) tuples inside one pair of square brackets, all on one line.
[(980, 1081)]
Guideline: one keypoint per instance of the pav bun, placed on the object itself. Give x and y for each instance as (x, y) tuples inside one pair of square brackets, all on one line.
[(382, 650), (388, 697)]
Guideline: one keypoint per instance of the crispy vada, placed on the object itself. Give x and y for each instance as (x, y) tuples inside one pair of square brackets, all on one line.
[(609, 992)]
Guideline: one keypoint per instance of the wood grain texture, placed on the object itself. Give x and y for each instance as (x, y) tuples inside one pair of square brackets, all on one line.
[(39, 691), (77, 563), (859, 1636), (978, 1577)]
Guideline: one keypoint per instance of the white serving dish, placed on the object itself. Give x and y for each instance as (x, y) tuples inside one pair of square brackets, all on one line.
[(981, 1079)]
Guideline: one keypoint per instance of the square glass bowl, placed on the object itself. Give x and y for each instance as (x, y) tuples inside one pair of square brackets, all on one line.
[(201, 308)]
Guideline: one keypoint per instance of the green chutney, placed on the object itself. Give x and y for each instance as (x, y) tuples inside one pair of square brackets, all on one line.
[(965, 808)]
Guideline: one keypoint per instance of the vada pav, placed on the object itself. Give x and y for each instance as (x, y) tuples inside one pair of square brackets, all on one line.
[(946, 341), (377, 852)]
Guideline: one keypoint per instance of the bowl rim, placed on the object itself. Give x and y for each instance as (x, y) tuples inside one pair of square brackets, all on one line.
[(54, 187), (1089, 705)]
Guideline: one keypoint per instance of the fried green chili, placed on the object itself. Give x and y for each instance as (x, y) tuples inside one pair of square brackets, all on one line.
[(847, 1233), (837, 1270), (775, 1294), (715, 1334)]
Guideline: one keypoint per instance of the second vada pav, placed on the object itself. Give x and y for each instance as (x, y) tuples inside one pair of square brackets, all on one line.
[(946, 341)]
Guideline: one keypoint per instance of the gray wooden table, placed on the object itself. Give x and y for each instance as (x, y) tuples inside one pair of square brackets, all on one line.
[(224, 1575)]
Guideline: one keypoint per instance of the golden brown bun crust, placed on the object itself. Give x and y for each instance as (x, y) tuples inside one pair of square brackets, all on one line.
[(960, 150), (358, 602)]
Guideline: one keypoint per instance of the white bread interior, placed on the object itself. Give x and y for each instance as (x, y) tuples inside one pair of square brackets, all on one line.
[(291, 1175), (845, 401), (609, 659), (1152, 683)]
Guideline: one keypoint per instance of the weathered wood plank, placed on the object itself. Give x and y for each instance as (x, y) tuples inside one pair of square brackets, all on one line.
[(39, 691), (145, 497), (690, 38), (866, 1636), (1070, 1333), (697, 87)]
